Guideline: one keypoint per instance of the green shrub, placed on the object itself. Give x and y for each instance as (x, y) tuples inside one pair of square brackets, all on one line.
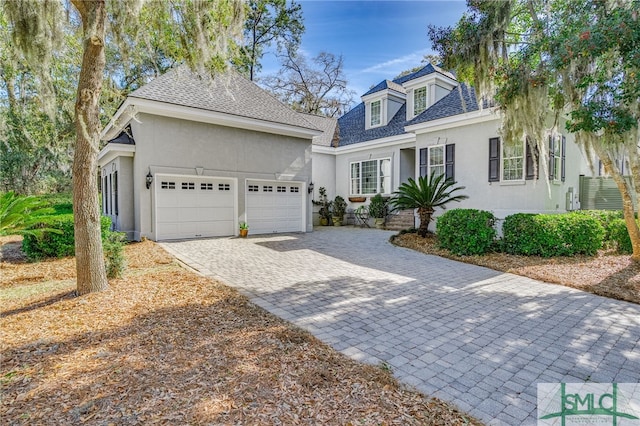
[(619, 236), (466, 231), (605, 217), (52, 244), (550, 235), (61, 203), (113, 246)]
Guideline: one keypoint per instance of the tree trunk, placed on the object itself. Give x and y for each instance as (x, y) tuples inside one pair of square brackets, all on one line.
[(628, 208), (90, 266), (425, 219)]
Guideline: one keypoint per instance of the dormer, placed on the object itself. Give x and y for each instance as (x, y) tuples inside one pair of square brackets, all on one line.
[(425, 87), (382, 103)]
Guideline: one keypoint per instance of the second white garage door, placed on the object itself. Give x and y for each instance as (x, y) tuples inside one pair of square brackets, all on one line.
[(274, 207)]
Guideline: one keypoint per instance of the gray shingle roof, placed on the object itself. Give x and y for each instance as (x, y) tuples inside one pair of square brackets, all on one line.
[(459, 101), (228, 93), (328, 126), (427, 69), (386, 84), (351, 126)]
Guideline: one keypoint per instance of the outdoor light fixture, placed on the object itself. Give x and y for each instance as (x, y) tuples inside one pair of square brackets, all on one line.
[(149, 179), (310, 188)]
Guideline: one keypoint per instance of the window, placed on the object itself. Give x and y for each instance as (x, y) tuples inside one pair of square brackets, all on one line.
[(371, 177), (438, 159), (419, 100), (168, 185), (281, 189), (206, 186), (513, 161), (375, 113), (294, 189), (267, 188), (224, 187), (188, 185), (253, 188), (557, 147)]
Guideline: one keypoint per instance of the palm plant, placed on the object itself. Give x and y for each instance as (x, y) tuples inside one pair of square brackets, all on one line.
[(18, 213), (425, 195)]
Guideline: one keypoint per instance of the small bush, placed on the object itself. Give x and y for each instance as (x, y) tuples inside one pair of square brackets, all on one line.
[(605, 217), (466, 231), (113, 246), (549, 235), (619, 236), (52, 244)]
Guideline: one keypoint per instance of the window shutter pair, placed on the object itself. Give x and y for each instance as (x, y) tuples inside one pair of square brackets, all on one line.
[(449, 161)]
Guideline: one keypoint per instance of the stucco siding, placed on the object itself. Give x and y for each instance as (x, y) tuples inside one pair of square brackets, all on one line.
[(180, 147), (502, 198), (324, 176)]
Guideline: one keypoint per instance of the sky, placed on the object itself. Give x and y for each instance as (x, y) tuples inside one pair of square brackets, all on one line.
[(377, 39)]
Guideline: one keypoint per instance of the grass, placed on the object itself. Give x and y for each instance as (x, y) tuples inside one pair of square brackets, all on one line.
[(166, 346)]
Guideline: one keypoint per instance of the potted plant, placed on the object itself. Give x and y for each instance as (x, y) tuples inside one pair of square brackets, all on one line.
[(339, 209), (325, 207), (244, 229), (378, 210)]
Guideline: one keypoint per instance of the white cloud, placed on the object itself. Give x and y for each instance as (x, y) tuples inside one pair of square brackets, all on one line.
[(398, 64)]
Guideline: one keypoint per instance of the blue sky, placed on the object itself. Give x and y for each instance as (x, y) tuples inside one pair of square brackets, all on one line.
[(378, 39)]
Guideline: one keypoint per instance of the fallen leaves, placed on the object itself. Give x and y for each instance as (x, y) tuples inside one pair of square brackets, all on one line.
[(606, 274), (165, 346)]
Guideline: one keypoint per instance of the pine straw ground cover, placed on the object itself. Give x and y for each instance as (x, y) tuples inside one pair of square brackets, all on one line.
[(166, 346), (606, 274)]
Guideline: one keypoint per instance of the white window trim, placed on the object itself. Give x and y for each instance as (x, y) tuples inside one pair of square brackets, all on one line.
[(371, 124), (429, 157), (504, 157), (557, 159), (360, 193), (413, 97)]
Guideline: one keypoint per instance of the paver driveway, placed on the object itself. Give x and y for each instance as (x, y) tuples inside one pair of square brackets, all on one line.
[(469, 335)]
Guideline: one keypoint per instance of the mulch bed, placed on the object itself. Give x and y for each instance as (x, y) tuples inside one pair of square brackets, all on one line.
[(607, 274), (166, 346)]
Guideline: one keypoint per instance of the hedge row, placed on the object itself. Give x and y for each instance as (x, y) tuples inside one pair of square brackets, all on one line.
[(52, 244), (550, 235), (469, 232)]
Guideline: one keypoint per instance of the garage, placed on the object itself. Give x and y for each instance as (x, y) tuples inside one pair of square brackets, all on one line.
[(274, 206), (194, 207)]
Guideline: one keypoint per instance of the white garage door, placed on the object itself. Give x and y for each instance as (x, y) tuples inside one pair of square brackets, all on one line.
[(274, 207), (194, 207)]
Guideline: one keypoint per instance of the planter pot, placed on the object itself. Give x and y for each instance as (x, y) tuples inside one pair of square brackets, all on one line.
[(324, 221), (357, 199), (337, 221), (244, 233), (379, 222)]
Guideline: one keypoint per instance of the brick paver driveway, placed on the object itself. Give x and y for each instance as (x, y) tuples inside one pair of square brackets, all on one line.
[(469, 335)]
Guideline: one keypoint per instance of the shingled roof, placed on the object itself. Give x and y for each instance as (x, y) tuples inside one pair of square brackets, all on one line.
[(228, 93), (328, 125), (459, 101), (386, 84), (351, 126)]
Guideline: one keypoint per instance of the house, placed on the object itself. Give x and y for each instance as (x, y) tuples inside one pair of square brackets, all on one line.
[(189, 158), (427, 121)]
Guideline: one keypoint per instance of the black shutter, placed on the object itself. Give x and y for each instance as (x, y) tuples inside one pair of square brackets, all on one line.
[(494, 160), (449, 160), (105, 194), (551, 157), (115, 190), (562, 165), (424, 166), (530, 169)]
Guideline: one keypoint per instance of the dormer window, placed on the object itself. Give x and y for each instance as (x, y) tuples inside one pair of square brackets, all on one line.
[(419, 100), (375, 113)]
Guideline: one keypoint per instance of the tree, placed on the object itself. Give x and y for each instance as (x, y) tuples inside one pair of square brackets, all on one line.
[(320, 88), (579, 61), (191, 31), (269, 21), (425, 195), (433, 59)]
